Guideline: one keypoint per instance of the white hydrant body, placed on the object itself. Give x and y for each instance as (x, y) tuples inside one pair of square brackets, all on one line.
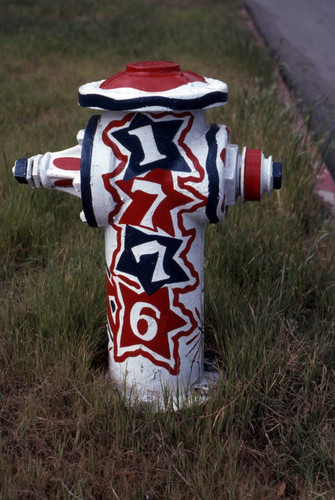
[(151, 172)]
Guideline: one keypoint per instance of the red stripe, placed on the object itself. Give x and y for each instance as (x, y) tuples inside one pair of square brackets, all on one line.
[(67, 163), (64, 183), (252, 175)]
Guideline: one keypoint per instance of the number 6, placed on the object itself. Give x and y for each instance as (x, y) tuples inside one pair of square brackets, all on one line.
[(136, 316)]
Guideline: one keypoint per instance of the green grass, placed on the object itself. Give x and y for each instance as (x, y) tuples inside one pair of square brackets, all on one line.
[(269, 427)]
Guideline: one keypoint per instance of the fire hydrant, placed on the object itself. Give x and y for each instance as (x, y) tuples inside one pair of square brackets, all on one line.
[(151, 172)]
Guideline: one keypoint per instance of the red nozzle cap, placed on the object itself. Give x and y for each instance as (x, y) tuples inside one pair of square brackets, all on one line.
[(151, 76), (252, 174)]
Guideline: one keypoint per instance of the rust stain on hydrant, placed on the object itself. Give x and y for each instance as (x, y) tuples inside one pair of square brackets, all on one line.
[(151, 172)]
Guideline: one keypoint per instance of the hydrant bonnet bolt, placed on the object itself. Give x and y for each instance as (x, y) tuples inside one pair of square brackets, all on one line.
[(152, 173)]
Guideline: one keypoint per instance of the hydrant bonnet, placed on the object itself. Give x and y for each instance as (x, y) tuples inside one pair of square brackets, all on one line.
[(153, 86)]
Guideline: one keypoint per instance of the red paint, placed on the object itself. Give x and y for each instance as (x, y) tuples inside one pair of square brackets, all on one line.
[(252, 175), (67, 163), (64, 183), (127, 344), (142, 201), (151, 76), (223, 155)]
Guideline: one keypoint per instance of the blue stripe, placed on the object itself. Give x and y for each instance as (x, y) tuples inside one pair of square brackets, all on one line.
[(108, 271), (103, 102), (85, 170), (213, 175)]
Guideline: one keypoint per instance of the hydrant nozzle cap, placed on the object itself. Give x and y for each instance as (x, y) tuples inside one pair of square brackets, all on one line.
[(153, 86), (277, 174), (20, 170)]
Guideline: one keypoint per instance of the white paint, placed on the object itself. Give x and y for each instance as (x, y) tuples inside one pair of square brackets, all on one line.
[(151, 188), (266, 175), (232, 175), (151, 248), (148, 143), (191, 90), (137, 316)]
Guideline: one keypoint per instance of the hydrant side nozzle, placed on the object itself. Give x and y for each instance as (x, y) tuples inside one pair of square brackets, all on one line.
[(20, 170)]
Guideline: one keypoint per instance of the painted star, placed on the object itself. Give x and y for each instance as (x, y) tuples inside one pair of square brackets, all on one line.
[(150, 258), (151, 144)]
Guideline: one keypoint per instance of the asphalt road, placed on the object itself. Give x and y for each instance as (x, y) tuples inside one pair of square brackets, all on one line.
[(301, 34)]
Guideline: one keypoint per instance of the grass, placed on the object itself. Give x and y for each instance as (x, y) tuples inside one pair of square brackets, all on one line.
[(268, 430)]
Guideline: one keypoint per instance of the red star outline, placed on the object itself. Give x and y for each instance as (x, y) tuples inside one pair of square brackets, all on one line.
[(163, 349), (142, 201)]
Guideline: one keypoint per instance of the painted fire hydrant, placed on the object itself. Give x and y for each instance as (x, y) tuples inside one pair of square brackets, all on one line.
[(151, 172)]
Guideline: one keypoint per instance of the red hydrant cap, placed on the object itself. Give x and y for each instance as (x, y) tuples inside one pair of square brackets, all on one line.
[(153, 86), (151, 76)]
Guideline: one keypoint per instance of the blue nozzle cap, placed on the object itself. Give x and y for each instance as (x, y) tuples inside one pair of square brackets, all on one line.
[(277, 174), (20, 170)]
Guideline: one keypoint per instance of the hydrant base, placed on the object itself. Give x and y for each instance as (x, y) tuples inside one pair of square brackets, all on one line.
[(169, 397)]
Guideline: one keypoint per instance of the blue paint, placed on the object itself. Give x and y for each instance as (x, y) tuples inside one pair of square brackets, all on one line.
[(164, 131), (85, 170), (144, 268), (104, 102), (20, 170), (213, 175)]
